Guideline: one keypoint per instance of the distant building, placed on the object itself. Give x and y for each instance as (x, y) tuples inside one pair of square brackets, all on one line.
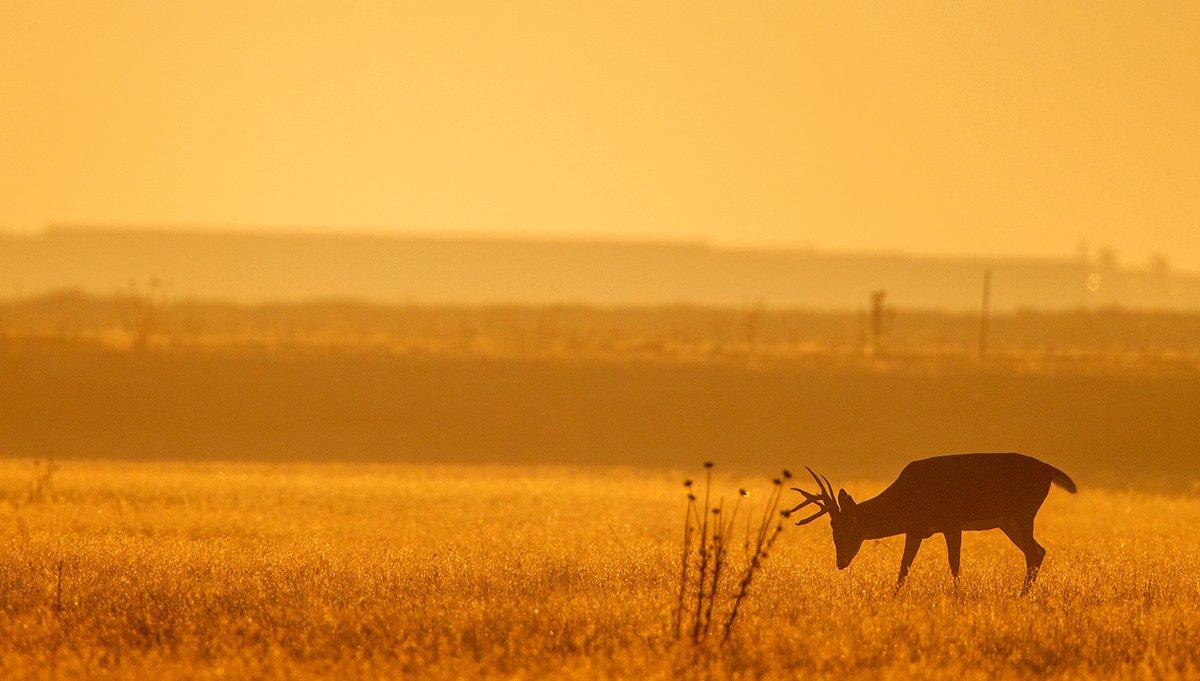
[(256, 267)]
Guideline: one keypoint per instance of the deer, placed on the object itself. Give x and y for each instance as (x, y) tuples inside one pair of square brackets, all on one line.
[(943, 494)]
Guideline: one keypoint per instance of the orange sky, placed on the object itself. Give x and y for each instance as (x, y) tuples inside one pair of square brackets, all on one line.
[(964, 127)]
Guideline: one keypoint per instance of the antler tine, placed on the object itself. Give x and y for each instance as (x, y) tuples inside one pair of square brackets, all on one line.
[(818, 481), (810, 498), (813, 517), (808, 495), (799, 506), (830, 504), (826, 488), (831, 496)]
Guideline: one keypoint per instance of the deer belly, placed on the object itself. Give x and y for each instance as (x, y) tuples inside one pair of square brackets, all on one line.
[(981, 524)]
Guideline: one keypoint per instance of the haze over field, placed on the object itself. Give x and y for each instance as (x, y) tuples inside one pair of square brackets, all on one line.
[(258, 267), (1016, 128)]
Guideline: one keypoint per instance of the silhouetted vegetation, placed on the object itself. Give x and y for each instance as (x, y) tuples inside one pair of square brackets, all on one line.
[(1104, 394), (144, 316)]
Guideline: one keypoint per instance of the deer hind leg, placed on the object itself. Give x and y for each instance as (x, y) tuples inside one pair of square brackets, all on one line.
[(954, 551), (1021, 534), (912, 543)]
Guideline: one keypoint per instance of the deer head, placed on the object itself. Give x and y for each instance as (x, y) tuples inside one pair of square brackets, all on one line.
[(842, 515)]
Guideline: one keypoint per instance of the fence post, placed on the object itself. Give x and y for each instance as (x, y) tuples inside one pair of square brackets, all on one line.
[(985, 314)]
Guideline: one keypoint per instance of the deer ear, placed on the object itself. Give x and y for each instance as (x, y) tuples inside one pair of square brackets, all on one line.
[(845, 501)]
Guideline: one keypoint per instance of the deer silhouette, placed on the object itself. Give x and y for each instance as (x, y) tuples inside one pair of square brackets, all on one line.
[(946, 495)]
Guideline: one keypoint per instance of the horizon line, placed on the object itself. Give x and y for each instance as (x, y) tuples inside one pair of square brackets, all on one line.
[(715, 245)]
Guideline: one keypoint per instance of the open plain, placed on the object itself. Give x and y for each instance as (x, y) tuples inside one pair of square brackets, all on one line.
[(296, 570)]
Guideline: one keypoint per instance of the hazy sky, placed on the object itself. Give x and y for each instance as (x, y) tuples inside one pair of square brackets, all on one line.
[(1000, 127)]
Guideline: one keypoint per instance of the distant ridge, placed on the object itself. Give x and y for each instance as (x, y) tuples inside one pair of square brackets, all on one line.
[(248, 266)]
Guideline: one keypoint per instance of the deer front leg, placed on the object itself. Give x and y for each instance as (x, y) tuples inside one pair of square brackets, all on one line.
[(954, 551), (1021, 534), (912, 543)]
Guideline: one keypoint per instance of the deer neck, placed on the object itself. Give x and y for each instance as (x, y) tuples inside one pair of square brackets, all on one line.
[(876, 518)]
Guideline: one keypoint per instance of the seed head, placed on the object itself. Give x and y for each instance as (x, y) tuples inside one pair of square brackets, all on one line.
[(785, 513), (743, 492), (787, 474), (687, 483), (777, 481), (716, 511), (708, 464), (691, 497)]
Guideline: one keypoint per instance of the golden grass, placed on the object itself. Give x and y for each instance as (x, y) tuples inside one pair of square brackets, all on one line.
[(244, 570), (1103, 340)]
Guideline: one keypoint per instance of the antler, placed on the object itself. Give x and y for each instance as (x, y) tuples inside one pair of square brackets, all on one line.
[(824, 501)]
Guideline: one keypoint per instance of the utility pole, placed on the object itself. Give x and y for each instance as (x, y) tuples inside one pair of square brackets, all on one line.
[(878, 299), (985, 314)]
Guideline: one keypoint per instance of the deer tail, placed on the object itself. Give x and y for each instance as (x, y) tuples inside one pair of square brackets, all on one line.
[(1062, 479)]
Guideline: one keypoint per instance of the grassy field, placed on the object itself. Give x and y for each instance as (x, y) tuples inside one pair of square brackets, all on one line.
[(238, 570), (250, 492), (1108, 394), (1106, 425), (142, 318)]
